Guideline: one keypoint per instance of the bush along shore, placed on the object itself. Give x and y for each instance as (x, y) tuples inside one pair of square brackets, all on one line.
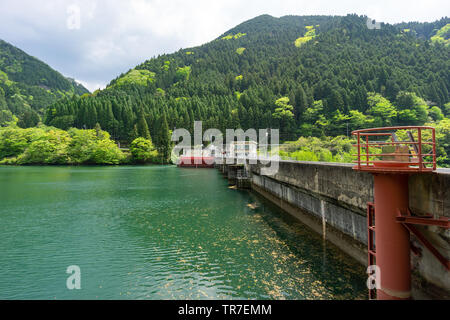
[(45, 145)]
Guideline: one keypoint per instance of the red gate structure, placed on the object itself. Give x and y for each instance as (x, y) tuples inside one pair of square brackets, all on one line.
[(391, 155), (196, 162)]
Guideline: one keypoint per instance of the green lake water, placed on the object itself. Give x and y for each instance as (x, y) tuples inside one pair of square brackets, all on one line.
[(158, 233)]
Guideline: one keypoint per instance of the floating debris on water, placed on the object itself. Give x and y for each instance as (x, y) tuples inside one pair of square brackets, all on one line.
[(252, 206)]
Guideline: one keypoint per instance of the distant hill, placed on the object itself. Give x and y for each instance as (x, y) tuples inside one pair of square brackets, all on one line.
[(307, 75), (27, 85), (425, 30)]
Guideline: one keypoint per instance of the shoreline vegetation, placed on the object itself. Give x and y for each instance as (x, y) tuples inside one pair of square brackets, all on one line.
[(340, 148), (45, 145)]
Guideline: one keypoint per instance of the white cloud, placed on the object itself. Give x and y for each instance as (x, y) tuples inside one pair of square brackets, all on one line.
[(92, 86), (74, 17), (116, 35)]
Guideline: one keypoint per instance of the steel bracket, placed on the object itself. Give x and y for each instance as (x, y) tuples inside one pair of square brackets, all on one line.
[(409, 223)]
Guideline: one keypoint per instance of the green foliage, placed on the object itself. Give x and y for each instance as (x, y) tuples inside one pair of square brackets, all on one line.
[(106, 151), (381, 109), (239, 35), (240, 51), (236, 36), (442, 35), (284, 113), (413, 109), (4, 78), (7, 118), (326, 149), (183, 73), (302, 155), (160, 92), (166, 66), (92, 147), (313, 114), (315, 120), (142, 127), (302, 40), (311, 31), (44, 152), (50, 146), (143, 151), (28, 119), (443, 143), (424, 30), (136, 77), (308, 36), (447, 109), (436, 114), (228, 37), (163, 141), (29, 85), (13, 142)]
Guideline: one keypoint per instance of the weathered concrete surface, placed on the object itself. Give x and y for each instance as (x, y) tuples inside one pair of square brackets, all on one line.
[(338, 182), (430, 193), (334, 198)]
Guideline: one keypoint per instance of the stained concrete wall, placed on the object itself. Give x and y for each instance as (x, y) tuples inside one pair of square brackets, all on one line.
[(332, 199), (430, 194)]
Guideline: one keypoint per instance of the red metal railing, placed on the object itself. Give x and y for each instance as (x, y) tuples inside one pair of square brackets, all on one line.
[(416, 152)]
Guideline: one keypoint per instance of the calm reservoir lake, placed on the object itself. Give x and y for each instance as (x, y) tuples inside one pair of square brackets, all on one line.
[(158, 232)]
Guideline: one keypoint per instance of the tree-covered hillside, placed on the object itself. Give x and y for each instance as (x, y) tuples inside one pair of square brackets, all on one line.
[(308, 76), (28, 86)]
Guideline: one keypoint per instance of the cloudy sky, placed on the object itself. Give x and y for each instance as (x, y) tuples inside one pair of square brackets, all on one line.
[(94, 41)]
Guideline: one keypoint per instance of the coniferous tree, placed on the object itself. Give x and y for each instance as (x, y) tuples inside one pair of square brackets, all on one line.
[(142, 126), (134, 134), (163, 142), (28, 119)]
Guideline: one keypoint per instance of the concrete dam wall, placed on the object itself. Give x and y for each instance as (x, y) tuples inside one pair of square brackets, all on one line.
[(332, 199)]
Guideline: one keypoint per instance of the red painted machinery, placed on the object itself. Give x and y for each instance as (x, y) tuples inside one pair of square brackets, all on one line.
[(196, 162), (391, 155)]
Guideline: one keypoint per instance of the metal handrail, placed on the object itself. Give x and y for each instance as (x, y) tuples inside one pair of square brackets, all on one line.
[(412, 159)]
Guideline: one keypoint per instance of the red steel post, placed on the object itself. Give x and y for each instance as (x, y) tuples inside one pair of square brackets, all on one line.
[(367, 150), (359, 152), (433, 137), (392, 238), (419, 133), (392, 243)]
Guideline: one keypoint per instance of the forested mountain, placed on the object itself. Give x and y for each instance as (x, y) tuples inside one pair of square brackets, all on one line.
[(307, 75), (28, 86), (426, 30)]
